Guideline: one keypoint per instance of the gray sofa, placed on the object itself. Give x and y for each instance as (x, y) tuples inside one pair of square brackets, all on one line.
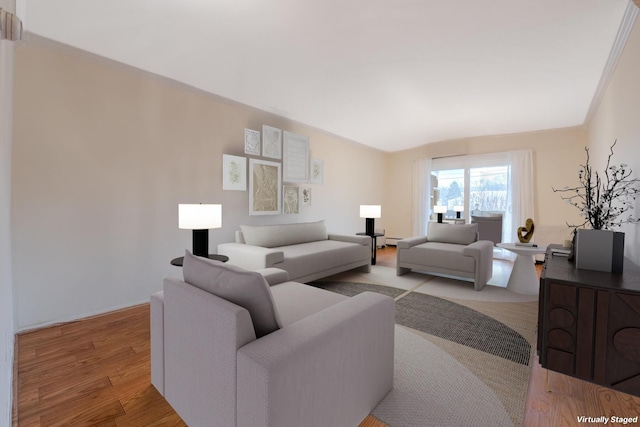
[(448, 249), (228, 349), (305, 250)]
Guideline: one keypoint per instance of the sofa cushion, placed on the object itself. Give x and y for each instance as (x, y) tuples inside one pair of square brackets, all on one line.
[(296, 301), (309, 258), (461, 234), (271, 236), (449, 256), (247, 289)]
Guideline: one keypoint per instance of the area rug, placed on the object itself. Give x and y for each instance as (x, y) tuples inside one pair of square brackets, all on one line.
[(458, 362)]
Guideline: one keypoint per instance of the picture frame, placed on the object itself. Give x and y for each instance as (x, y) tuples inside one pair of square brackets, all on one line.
[(265, 187), (290, 199), (295, 157), (317, 171), (252, 142), (305, 196), (271, 142), (234, 173)]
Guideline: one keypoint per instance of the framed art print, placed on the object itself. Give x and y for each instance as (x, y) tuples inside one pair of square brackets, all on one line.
[(271, 142), (252, 142), (265, 187), (295, 157), (234, 173), (291, 199), (317, 171)]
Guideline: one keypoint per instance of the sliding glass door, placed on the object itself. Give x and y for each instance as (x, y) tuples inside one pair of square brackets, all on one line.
[(479, 185)]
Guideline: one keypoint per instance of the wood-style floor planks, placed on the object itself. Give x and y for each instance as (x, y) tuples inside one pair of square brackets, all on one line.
[(97, 372)]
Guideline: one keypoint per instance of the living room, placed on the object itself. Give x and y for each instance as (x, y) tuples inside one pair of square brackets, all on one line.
[(101, 154)]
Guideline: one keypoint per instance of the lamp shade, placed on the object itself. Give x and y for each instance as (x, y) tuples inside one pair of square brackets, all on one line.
[(199, 216), (440, 209), (458, 208), (370, 211)]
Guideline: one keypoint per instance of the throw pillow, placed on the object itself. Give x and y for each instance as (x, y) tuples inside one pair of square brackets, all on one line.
[(247, 289), (461, 234), (273, 236)]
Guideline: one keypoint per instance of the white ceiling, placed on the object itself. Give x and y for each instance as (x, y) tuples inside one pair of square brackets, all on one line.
[(391, 74)]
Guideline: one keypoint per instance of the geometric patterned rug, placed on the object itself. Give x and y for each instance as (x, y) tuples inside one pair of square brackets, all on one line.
[(458, 362)]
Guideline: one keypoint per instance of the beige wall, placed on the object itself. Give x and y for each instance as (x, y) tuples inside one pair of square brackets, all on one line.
[(555, 155), (103, 154), (7, 312), (618, 117)]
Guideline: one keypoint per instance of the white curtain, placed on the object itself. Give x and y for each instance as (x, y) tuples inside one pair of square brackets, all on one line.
[(421, 196), (520, 191)]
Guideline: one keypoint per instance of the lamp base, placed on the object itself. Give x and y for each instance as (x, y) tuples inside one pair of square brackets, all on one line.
[(440, 217), (201, 242), (370, 226)]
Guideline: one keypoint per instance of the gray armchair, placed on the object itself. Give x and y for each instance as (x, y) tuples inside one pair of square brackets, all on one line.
[(447, 249), (329, 363), (489, 226)]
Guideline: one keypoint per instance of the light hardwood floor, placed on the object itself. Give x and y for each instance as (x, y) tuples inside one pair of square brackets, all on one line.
[(96, 372)]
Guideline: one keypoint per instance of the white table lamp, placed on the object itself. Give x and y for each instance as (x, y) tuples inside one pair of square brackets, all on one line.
[(440, 210), (370, 212), (199, 218)]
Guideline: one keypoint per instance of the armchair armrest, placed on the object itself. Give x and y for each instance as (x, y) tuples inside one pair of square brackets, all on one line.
[(273, 276), (250, 257), (334, 366), (362, 240), (482, 251), (411, 241)]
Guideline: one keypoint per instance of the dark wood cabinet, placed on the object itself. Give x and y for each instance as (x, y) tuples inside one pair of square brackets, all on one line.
[(589, 323)]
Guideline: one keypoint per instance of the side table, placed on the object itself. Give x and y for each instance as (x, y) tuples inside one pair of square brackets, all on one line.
[(222, 258), (524, 279), (374, 245)]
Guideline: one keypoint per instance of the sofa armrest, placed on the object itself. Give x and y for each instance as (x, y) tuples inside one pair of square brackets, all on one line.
[(361, 240), (274, 276), (411, 241), (334, 366), (482, 251), (202, 334), (251, 257)]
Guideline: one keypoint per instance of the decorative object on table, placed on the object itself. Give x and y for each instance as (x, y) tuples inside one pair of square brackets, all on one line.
[(458, 210), (306, 196), (295, 158), (440, 210), (526, 233), (252, 142), (291, 199), (317, 171), (370, 212), (199, 218), (271, 142), (234, 173), (265, 187), (602, 200)]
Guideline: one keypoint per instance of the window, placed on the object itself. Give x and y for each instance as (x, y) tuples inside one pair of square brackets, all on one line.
[(487, 183)]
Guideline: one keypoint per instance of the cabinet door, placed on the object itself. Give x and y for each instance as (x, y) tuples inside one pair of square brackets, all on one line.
[(560, 328), (623, 343)]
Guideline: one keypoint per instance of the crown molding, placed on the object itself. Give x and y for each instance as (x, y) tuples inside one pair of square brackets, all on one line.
[(626, 26)]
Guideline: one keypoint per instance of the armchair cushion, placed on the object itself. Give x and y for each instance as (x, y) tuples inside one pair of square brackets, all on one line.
[(272, 236), (248, 289), (461, 234)]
